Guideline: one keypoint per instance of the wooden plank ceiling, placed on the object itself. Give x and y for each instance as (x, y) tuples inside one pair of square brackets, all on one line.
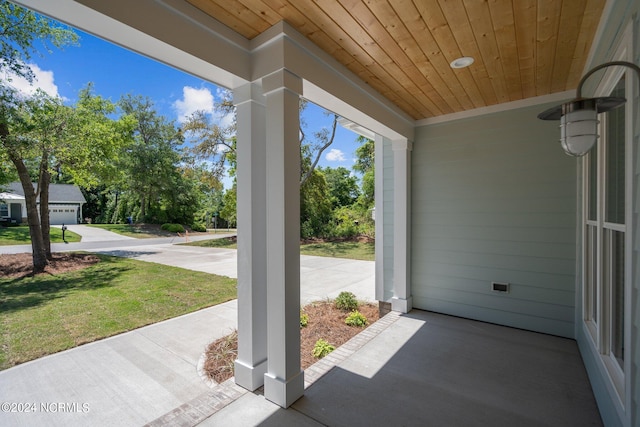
[(403, 48)]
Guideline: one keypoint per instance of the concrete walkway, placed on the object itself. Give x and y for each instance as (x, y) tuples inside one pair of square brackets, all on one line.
[(140, 376), (94, 234)]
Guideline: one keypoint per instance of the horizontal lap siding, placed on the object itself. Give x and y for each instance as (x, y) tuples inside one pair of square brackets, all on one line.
[(494, 199)]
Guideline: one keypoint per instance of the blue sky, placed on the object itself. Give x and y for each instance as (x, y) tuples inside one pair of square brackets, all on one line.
[(115, 71)]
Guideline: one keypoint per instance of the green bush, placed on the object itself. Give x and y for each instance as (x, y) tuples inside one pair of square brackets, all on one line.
[(355, 318), (199, 227), (322, 348), (304, 319), (346, 301), (172, 228)]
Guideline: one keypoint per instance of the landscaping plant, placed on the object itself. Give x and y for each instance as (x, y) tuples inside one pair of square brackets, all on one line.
[(322, 348), (355, 318), (346, 301)]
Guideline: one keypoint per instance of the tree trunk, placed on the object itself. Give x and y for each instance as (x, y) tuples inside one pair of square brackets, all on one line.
[(37, 245), (45, 224), (143, 211)]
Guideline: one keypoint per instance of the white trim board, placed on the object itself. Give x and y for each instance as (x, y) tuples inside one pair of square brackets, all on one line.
[(522, 103)]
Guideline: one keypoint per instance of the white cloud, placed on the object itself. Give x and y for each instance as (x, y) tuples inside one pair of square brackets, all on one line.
[(43, 80), (335, 155), (193, 100)]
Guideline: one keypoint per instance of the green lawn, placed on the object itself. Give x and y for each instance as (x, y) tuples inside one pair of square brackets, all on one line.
[(144, 231), (140, 232), (46, 314), (350, 250), (225, 242), (20, 236)]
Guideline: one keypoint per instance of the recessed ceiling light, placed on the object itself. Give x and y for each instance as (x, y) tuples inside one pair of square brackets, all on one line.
[(465, 61)]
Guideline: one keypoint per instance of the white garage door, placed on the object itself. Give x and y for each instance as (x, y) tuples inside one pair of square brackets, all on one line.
[(63, 214)]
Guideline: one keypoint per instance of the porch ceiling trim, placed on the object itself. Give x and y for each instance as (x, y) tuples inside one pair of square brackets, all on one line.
[(328, 83), (529, 102)]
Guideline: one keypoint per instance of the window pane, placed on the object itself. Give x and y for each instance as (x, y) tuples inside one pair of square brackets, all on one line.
[(591, 291), (592, 185), (617, 296), (615, 170)]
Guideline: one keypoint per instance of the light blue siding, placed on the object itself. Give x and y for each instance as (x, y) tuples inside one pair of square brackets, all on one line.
[(494, 199)]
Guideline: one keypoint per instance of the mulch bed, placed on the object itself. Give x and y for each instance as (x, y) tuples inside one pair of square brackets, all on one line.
[(21, 265), (325, 322)]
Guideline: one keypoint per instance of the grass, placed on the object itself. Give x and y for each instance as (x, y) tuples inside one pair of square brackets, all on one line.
[(20, 235), (143, 231), (136, 231), (352, 250), (225, 242), (49, 313)]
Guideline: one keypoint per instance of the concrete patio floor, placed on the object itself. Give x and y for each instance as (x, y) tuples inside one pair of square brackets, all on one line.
[(419, 369), (426, 369)]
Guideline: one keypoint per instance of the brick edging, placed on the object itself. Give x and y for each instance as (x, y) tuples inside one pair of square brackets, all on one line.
[(316, 371)]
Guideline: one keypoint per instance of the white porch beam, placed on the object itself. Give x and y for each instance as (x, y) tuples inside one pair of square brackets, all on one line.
[(284, 380), (401, 300), (251, 150), (170, 31)]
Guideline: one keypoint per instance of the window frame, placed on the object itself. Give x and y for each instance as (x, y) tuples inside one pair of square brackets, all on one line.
[(599, 330)]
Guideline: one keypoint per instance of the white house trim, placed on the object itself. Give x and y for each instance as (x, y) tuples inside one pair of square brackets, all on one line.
[(507, 106), (401, 300), (251, 152), (284, 380)]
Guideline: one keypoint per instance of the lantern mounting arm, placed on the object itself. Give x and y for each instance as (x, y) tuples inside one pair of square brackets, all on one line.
[(600, 67)]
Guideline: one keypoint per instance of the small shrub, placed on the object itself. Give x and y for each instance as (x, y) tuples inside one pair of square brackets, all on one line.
[(304, 319), (172, 228), (346, 301), (199, 227), (355, 318), (322, 348), (221, 355)]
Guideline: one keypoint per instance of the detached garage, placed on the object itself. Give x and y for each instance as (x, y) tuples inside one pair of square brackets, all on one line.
[(65, 203)]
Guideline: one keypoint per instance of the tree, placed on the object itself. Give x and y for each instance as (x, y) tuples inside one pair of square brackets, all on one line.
[(229, 210), (365, 164), (151, 162), (311, 152), (342, 186), (19, 29), (215, 142)]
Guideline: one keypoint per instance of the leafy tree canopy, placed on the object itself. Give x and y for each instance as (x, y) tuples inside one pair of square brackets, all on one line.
[(19, 30)]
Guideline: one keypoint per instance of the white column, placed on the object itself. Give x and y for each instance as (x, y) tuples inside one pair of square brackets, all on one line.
[(379, 221), (284, 380), (401, 300), (251, 364)]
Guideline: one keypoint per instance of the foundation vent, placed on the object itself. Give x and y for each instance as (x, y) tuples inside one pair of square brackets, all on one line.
[(500, 287)]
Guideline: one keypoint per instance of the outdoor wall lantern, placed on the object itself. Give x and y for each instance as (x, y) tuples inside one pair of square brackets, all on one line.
[(579, 117)]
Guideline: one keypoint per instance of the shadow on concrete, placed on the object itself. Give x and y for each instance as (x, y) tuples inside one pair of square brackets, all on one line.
[(434, 370), (126, 254)]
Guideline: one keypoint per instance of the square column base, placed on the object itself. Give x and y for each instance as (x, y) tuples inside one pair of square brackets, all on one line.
[(249, 377), (284, 393), (401, 305)]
